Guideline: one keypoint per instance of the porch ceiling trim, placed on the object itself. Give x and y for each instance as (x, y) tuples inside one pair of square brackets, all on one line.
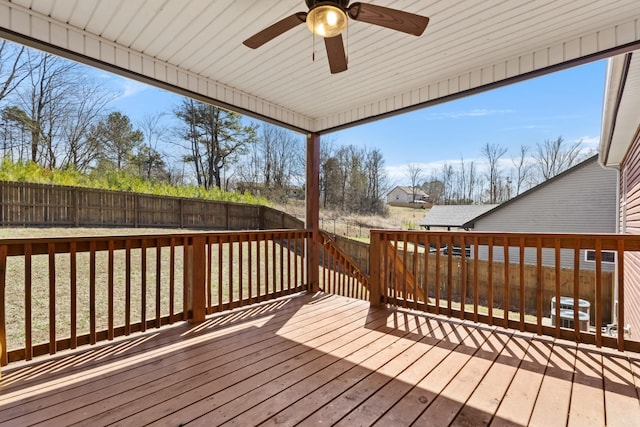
[(92, 32)]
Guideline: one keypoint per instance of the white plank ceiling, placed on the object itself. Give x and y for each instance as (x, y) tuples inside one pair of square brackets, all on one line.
[(195, 48)]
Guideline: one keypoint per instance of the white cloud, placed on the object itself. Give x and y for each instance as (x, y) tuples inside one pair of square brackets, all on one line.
[(590, 141), (125, 87), (131, 87)]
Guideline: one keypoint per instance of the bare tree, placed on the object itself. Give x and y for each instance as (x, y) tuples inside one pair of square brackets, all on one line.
[(46, 99), (87, 104), (14, 67), (493, 153), (149, 160), (446, 177), (523, 169), (555, 156), (416, 175), (377, 184)]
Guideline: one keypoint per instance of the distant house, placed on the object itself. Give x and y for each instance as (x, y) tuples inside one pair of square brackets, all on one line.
[(452, 217), (580, 200), (406, 195)]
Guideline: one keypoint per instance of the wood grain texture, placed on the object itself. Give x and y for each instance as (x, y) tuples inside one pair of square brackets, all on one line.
[(326, 359)]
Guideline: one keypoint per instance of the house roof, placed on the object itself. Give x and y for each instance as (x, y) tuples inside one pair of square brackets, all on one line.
[(471, 221), (620, 118), (453, 215), (418, 191), (195, 49)]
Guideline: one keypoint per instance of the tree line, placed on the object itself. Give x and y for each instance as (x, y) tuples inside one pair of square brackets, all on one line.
[(56, 115), (498, 178)]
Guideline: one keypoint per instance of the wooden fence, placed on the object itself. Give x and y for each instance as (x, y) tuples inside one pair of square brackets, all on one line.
[(36, 205)]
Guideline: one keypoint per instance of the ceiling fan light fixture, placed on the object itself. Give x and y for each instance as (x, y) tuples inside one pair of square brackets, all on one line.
[(327, 20)]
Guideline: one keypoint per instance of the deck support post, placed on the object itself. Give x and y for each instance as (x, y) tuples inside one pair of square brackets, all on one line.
[(196, 273), (374, 270), (312, 189)]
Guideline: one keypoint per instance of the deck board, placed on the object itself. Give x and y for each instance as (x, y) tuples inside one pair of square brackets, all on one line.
[(320, 359)]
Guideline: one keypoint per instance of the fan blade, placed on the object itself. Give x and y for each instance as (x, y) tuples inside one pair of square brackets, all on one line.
[(275, 30), (406, 22), (335, 54)]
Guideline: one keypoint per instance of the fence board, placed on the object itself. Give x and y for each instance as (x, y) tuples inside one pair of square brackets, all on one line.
[(36, 205)]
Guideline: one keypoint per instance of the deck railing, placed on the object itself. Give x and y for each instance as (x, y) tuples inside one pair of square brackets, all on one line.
[(339, 273), (60, 293), (509, 279)]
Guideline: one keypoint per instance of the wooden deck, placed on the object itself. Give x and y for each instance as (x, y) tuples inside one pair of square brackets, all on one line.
[(326, 360)]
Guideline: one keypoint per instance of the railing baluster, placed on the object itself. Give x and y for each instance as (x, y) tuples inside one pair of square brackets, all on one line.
[(476, 255), (230, 262), (506, 295), (220, 283), (539, 284), (289, 241), (92, 292), (172, 277), (463, 276), (557, 285), (73, 288), (425, 282), (159, 283), (240, 271), (266, 264), (258, 265), (51, 249), (185, 278), (127, 290), (143, 286), (3, 303), (414, 243), (598, 308), (209, 275), (110, 299), (384, 266), (449, 274), (281, 248), (437, 284), (250, 269), (576, 288), (620, 305), (274, 265), (521, 271), (490, 281), (27, 302), (405, 250)]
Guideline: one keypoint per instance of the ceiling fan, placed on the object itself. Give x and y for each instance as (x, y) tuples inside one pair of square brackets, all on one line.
[(329, 19)]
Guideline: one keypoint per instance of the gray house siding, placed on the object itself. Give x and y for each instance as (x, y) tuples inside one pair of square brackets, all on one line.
[(582, 200)]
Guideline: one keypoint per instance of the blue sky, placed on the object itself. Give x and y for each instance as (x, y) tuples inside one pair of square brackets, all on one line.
[(567, 104)]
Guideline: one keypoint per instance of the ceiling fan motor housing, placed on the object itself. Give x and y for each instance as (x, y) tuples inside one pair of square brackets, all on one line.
[(342, 4)]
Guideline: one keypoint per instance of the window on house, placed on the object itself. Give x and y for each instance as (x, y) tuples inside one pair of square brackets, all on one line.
[(608, 257)]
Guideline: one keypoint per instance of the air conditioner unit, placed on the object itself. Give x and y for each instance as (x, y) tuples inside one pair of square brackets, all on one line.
[(567, 313)]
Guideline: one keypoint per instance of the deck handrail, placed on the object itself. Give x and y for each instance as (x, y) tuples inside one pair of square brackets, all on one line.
[(473, 275), (48, 284)]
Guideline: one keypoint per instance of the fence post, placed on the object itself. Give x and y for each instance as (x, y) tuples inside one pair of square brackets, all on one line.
[(374, 269), (195, 267)]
